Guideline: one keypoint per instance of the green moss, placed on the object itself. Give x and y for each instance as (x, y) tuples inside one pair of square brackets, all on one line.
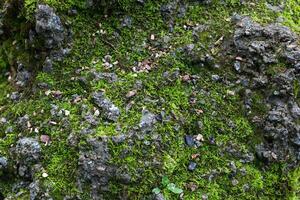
[(221, 114)]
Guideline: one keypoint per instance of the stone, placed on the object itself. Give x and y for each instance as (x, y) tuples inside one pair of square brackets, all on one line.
[(126, 22), (110, 111), (27, 153), (215, 77), (148, 120), (189, 140), (95, 168), (3, 163), (192, 166), (28, 150), (234, 182), (49, 26)]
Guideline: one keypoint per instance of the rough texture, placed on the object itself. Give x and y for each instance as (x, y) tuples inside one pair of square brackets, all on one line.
[(49, 27), (110, 111), (259, 47)]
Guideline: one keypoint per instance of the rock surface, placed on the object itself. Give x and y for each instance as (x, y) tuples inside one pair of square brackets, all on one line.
[(259, 47), (49, 26)]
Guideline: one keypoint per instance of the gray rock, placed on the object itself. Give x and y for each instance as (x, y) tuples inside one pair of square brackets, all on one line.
[(22, 122), (23, 76), (15, 96), (3, 163), (47, 67), (110, 77), (189, 140), (28, 150), (95, 168), (159, 196), (119, 138), (215, 77), (260, 47), (110, 111), (192, 166), (126, 22), (49, 26), (27, 153), (237, 66), (38, 191), (148, 120)]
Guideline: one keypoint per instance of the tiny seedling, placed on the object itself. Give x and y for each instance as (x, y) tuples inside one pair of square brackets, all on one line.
[(165, 182)]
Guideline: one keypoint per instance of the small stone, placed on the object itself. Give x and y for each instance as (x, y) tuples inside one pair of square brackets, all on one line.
[(44, 175), (192, 166), (48, 92), (196, 155), (204, 197), (131, 94), (215, 77), (152, 37), (200, 138), (237, 66), (96, 113), (234, 182), (67, 113), (192, 186), (189, 140), (230, 93)]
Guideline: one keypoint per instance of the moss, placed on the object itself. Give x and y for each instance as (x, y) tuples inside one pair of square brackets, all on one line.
[(221, 114), (294, 183)]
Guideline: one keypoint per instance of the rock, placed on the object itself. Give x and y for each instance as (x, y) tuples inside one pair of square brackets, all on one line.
[(110, 111), (192, 166), (45, 139), (215, 77), (189, 140), (119, 139), (28, 150), (126, 22), (147, 121), (131, 93), (237, 66), (23, 122), (95, 168), (15, 96), (39, 191), (47, 67), (23, 76), (3, 163), (49, 26), (259, 47), (159, 196), (234, 182), (27, 153), (110, 77)]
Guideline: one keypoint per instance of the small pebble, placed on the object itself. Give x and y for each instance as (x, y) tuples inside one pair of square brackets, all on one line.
[(189, 140), (192, 166), (44, 175), (234, 182)]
